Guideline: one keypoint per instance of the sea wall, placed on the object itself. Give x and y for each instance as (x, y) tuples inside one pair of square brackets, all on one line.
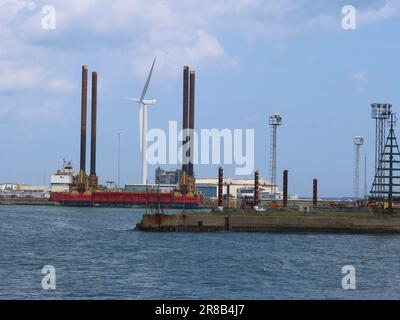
[(219, 223), (26, 202)]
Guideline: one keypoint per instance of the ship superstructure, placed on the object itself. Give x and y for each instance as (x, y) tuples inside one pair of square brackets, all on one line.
[(64, 179)]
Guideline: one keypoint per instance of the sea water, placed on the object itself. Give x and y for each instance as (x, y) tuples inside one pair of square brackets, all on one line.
[(97, 255)]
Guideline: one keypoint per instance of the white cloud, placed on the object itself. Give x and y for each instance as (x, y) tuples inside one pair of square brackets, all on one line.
[(206, 46), (130, 33), (202, 50), (360, 76), (14, 77), (18, 76), (22, 108), (373, 14), (48, 109), (5, 110), (61, 85), (10, 8), (181, 31), (360, 80)]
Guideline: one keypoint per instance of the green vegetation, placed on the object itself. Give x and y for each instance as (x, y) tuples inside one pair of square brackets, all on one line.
[(326, 213)]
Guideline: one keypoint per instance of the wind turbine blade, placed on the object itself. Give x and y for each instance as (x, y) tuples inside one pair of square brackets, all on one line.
[(133, 100), (141, 126), (148, 81)]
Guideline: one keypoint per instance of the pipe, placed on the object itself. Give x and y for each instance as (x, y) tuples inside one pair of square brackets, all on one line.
[(315, 192), (185, 117), (83, 118), (285, 188), (256, 189), (192, 106), (228, 193), (220, 187), (94, 126)]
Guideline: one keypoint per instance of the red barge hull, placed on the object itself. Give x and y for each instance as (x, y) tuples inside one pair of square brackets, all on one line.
[(128, 200)]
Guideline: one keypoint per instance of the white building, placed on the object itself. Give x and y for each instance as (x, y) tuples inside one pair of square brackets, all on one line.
[(8, 187)]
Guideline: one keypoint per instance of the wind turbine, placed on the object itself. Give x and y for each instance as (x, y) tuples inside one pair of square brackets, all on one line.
[(143, 104)]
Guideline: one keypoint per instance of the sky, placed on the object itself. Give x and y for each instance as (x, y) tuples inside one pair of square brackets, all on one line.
[(253, 58)]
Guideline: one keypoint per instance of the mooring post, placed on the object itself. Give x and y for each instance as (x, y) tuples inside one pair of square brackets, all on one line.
[(256, 201), (220, 189), (285, 188), (315, 193), (227, 224)]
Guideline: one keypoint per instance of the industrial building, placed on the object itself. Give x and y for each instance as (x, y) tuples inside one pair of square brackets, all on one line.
[(23, 191), (167, 176), (237, 188), (138, 187)]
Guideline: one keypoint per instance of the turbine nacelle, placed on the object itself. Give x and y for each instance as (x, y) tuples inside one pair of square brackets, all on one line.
[(151, 102)]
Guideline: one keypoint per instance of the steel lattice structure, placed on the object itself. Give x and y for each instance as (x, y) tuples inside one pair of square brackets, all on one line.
[(381, 114), (386, 186)]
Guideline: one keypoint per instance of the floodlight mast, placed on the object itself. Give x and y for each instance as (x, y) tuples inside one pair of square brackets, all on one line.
[(274, 122), (358, 142), (381, 113)]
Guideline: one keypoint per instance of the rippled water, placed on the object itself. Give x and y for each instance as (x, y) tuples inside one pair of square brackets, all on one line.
[(97, 255)]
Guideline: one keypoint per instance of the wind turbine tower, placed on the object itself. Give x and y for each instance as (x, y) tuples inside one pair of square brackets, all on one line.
[(358, 142), (274, 121), (143, 104)]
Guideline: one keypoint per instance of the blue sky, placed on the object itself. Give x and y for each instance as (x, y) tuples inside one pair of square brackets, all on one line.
[(253, 58)]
